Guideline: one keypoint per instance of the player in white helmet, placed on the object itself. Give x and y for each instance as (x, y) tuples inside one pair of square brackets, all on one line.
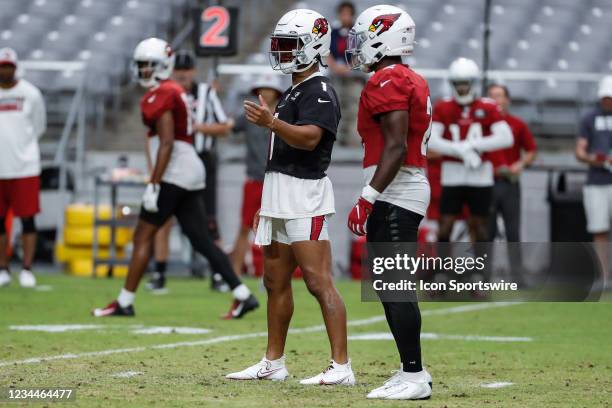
[(176, 181), (394, 123), (467, 130), (297, 195)]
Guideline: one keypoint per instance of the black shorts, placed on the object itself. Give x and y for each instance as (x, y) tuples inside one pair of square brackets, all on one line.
[(171, 197), (478, 200)]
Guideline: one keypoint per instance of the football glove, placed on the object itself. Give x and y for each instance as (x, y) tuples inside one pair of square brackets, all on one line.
[(359, 214), (471, 159), (150, 196)]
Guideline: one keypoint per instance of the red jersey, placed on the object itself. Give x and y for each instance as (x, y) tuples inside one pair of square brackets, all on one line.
[(168, 96), (473, 121), (523, 141), (396, 87)]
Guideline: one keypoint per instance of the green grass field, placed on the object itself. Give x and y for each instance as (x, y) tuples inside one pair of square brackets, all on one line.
[(567, 361)]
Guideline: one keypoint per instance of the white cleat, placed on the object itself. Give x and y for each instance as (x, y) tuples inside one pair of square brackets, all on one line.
[(405, 386), (334, 374), (273, 370), (27, 279), (5, 278)]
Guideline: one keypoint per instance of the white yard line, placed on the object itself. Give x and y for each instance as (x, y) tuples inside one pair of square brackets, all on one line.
[(497, 385), (441, 336), (127, 374), (223, 339)]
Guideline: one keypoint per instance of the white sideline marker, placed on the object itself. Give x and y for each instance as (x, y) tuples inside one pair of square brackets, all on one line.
[(496, 384), (222, 339), (437, 336), (127, 374), (171, 330), (56, 328)]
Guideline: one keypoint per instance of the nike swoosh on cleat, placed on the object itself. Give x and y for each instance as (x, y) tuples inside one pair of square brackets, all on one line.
[(264, 374), (322, 101)]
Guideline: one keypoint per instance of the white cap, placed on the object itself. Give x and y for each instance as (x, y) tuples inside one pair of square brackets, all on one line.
[(8, 56), (269, 81), (605, 87)]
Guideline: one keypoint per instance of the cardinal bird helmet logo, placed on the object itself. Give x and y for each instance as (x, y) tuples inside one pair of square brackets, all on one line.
[(320, 27), (383, 22)]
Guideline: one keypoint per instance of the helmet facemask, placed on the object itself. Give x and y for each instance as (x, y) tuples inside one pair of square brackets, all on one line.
[(354, 54), (464, 90), (287, 53), (144, 72)]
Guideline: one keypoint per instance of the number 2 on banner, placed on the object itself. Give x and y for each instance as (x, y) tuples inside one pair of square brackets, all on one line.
[(213, 36)]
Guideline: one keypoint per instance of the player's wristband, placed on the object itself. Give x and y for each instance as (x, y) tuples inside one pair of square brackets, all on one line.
[(369, 194), (271, 125)]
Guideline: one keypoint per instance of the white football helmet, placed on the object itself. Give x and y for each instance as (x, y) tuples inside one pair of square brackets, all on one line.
[(605, 87), (301, 39), (379, 31), (464, 71), (153, 61)]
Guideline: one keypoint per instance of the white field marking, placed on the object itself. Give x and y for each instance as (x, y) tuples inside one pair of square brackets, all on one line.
[(127, 374), (56, 328), (496, 385), (43, 288), (222, 339), (438, 336), (171, 330)]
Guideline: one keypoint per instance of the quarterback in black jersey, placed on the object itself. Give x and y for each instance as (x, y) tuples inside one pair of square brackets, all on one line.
[(298, 197)]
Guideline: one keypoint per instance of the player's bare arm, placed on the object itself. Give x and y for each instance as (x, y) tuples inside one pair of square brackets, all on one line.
[(165, 131), (395, 127), (215, 129), (305, 137), (582, 154)]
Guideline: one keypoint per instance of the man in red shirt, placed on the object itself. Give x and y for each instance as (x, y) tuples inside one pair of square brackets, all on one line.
[(509, 164)]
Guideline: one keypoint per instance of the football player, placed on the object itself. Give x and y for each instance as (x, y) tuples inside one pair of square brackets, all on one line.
[(297, 195), (465, 130), (394, 123), (176, 181)]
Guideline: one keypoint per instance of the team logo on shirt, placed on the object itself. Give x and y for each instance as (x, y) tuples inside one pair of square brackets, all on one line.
[(321, 27), (479, 113), (383, 23), (11, 104)]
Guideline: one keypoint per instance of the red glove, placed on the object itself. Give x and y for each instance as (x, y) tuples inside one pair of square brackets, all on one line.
[(359, 215)]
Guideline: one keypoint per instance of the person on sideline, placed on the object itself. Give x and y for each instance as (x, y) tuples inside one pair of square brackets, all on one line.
[(23, 120), (269, 86), (594, 147)]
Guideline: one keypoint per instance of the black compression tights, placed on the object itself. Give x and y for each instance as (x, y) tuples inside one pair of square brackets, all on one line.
[(191, 215), (389, 223)]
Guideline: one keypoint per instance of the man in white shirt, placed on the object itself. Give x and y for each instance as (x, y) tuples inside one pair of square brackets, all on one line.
[(22, 122)]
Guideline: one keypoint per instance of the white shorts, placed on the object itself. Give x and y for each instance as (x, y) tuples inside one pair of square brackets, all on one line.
[(290, 231), (598, 207)]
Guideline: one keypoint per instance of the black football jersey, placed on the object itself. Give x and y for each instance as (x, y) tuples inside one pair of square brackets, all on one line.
[(312, 102)]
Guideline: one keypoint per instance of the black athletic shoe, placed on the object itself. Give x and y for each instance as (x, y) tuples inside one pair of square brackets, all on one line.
[(157, 283), (239, 308), (217, 284), (114, 309)]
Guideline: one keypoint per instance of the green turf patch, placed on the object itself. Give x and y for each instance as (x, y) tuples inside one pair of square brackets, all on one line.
[(567, 363)]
